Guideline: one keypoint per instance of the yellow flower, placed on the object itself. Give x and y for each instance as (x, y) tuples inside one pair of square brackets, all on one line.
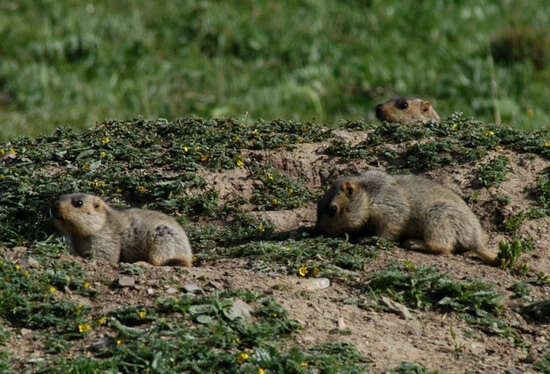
[(17, 267), (102, 154), (26, 273), (242, 357), (303, 364), (141, 188), (185, 149), (98, 184), (240, 163), (197, 148), (274, 315), (105, 140), (102, 320), (1, 262), (142, 314), (303, 271), (300, 139), (86, 284), (454, 126), (547, 144), (530, 113), (254, 131), (236, 340), (261, 371), (2, 152), (261, 228), (2, 176), (237, 138), (12, 150), (119, 190), (84, 327), (120, 341), (488, 133), (270, 176), (290, 190), (79, 307), (53, 290), (287, 248), (204, 157), (275, 201)]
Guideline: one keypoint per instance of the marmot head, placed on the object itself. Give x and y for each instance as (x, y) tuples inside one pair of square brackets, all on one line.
[(343, 208), (80, 214), (406, 110)]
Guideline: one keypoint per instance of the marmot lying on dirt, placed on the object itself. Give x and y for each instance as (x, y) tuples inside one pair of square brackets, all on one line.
[(429, 216), (131, 235), (406, 110)]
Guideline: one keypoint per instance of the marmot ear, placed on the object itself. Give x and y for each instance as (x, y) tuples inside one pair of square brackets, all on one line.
[(349, 188), (98, 203), (426, 105)]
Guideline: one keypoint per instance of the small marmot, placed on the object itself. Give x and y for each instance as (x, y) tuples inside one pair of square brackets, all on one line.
[(95, 229), (406, 111), (430, 217)]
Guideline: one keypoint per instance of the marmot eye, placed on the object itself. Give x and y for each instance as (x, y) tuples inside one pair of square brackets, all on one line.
[(332, 210), (78, 203), (402, 104)]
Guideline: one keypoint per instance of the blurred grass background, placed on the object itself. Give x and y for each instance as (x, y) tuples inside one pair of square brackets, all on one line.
[(74, 63)]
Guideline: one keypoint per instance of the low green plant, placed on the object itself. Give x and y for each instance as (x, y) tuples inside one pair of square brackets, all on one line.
[(410, 368), (424, 286), (543, 364), (509, 253), (493, 172), (278, 191)]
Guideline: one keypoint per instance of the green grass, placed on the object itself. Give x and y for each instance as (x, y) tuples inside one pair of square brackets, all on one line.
[(420, 287), (79, 63)]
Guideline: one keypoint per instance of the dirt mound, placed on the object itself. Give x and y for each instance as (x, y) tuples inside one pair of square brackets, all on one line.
[(248, 195)]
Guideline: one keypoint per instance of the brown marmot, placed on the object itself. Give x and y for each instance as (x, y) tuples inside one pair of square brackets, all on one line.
[(406, 110), (95, 229), (430, 217)]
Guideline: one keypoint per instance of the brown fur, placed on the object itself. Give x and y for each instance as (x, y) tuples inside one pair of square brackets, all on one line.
[(406, 110), (95, 229), (428, 216)]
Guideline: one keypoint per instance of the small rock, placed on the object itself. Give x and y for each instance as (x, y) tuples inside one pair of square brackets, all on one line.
[(341, 324), (126, 281), (513, 371), (239, 309), (29, 262), (316, 283), (171, 290), (25, 331), (191, 288), (150, 291), (477, 349), (397, 307)]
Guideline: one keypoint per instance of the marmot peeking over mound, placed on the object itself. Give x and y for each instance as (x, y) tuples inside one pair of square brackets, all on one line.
[(95, 229), (430, 217), (406, 110)]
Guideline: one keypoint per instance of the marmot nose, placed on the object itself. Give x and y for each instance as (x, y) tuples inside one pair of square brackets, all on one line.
[(379, 112)]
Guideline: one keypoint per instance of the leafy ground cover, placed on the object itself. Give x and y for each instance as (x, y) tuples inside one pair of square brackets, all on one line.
[(246, 192)]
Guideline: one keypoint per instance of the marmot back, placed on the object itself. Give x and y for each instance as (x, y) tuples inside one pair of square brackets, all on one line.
[(406, 110), (426, 215), (95, 229)]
